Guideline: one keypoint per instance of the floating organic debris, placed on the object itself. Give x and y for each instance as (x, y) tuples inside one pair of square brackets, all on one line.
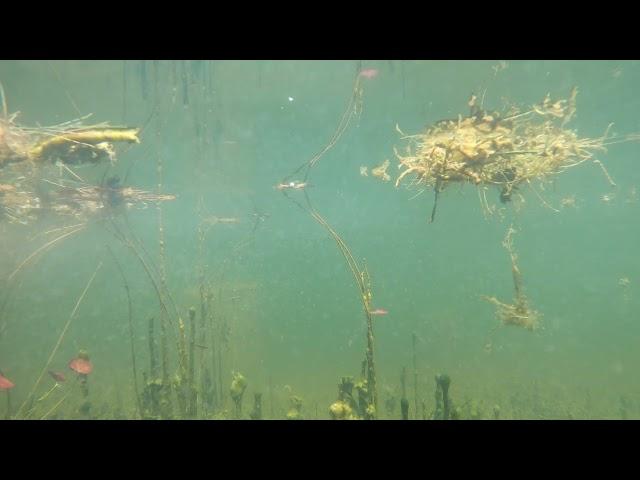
[(72, 198), (381, 171), (293, 185), (84, 200), (17, 205), (569, 202), (519, 313), (70, 143), (501, 149)]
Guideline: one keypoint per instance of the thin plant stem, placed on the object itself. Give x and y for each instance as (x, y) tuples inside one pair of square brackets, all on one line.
[(62, 334)]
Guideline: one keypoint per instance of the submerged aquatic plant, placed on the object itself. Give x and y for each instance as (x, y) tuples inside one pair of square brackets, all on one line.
[(256, 413), (443, 402), (238, 386), (295, 408), (518, 313), (345, 407), (82, 365)]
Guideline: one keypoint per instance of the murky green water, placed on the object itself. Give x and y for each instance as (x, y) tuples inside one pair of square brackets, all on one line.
[(284, 308)]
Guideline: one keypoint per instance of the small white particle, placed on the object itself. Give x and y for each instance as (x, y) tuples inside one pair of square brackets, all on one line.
[(291, 99)]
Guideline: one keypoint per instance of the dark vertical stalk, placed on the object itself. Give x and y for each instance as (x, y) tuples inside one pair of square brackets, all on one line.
[(415, 375), (185, 84), (124, 92), (271, 407), (192, 346), (404, 402), (153, 365), (143, 80)]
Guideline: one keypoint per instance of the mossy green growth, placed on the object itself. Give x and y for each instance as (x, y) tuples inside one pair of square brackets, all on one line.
[(238, 386)]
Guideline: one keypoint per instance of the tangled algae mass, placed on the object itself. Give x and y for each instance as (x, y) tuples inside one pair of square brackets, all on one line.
[(501, 149)]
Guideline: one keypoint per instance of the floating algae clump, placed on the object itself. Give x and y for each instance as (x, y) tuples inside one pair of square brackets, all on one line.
[(505, 150)]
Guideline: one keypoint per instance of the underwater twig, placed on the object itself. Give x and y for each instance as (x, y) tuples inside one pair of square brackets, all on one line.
[(404, 402), (62, 334), (55, 386), (606, 174)]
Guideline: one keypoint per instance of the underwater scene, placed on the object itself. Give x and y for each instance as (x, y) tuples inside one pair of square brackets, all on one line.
[(346, 240)]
